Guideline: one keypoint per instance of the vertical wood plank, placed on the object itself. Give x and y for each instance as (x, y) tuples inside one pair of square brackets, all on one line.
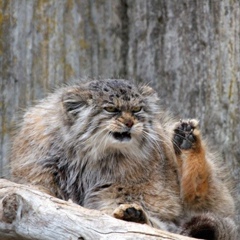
[(188, 50)]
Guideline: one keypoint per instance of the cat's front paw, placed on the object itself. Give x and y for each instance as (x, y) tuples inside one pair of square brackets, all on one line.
[(186, 133), (131, 213)]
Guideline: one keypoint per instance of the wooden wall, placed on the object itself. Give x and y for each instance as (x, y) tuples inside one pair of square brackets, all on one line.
[(188, 50)]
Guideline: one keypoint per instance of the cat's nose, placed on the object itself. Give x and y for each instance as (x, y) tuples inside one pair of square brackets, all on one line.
[(129, 123)]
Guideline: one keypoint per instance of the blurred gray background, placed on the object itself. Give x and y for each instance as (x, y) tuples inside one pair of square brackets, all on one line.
[(188, 50)]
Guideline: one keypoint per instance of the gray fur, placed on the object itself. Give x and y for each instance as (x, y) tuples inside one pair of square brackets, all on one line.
[(66, 144)]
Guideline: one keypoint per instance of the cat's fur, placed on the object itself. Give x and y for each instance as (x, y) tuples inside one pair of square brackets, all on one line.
[(107, 145)]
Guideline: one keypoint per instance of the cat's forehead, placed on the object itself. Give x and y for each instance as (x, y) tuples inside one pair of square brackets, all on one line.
[(116, 90), (118, 86)]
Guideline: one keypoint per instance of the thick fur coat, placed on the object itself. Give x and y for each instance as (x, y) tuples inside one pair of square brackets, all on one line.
[(107, 145)]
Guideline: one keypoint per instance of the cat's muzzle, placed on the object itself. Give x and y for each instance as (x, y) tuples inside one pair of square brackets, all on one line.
[(122, 136)]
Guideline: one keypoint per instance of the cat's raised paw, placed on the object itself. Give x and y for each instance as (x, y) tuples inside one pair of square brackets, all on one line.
[(185, 134), (131, 213)]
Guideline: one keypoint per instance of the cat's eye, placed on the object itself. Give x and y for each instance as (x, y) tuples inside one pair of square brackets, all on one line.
[(136, 109), (111, 109)]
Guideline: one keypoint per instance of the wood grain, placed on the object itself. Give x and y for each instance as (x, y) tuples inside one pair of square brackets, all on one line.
[(26, 213), (188, 50)]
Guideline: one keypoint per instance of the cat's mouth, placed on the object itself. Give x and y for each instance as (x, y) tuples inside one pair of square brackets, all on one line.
[(122, 136)]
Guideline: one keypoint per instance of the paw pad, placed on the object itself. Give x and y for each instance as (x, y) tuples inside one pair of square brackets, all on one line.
[(131, 213), (184, 135)]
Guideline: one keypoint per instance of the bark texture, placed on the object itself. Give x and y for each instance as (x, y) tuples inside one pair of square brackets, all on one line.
[(26, 213), (188, 50)]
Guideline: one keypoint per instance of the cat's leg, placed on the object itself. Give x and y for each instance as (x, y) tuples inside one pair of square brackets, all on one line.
[(111, 199), (194, 170), (202, 190), (132, 213), (135, 213)]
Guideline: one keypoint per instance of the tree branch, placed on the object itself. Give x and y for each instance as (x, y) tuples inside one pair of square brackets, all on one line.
[(26, 213)]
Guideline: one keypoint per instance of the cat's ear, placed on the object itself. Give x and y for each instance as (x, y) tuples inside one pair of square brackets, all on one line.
[(147, 91), (73, 100)]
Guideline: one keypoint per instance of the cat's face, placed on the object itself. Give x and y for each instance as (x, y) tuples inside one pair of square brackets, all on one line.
[(113, 114)]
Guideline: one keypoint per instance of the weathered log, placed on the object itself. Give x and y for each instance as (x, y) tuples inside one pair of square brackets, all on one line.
[(27, 213)]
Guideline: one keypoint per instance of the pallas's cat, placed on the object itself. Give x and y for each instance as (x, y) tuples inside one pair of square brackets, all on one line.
[(107, 145)]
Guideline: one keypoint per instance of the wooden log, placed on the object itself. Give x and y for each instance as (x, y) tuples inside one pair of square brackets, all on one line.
[(27, 213)]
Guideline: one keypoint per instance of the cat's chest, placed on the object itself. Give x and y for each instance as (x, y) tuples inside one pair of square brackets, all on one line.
[(120, 170)]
